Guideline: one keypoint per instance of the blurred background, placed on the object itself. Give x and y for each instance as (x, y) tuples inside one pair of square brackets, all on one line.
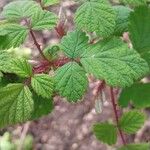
[(69, 126)]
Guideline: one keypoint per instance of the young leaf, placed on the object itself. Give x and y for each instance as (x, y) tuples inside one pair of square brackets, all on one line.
[(139, 29), (134, 2), (122, 19), (114, 62), (131, 121), (21, 67), (16, 35), (71, 81), (42, 106), (20, 9), (136, 95), (141, 146), (74, 44), (96, 16), (49, 2), (43, 20), (42, 84), (106, 133), (16, 104)]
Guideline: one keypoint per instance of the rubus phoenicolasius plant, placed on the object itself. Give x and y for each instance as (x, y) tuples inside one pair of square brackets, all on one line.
[(95, 47)]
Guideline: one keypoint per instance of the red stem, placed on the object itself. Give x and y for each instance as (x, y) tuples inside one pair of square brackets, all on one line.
[(37, 44), (116, 115)]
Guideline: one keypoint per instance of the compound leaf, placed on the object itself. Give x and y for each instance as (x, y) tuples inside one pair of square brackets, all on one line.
[(122, 19), (16, 104), (20, 9), (71, 81), (114, 62), (140, 32), (43, 20), (42, 106), (136, 95), (74, 44), (131, 121), (105, 132), (21, 67), (141, 146), (42, 84), (96, 16)]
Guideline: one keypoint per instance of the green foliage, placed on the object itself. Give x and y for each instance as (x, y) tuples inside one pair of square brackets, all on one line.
[(96, 16), (141, 146), (105, 132), (140, 31), (134, 2), (122, 19), (49, 2), (43, 20), (16, 104), (21, 67), (138, 94), (112, 61), (131, 121), (42, 84), (71, 81), (74, 44)]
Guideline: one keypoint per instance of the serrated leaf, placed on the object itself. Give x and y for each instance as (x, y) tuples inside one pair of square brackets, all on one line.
[(114, 62), (49, 2), (105, 132), (71, 81), (138, 94), (141, 146), (42, 84), (16, 104), (96, 16), (21, 67), (131, 121), (43, 20), (16, 35), (5, 63), (74, 44), (134, 2), (122, 19), (20, 9), (139, 29), (42, 106)]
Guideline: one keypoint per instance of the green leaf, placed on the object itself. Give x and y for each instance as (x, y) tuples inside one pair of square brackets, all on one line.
[(16, 104), (134, 2), (138, 94), (113, 61), (20, 9), (139, 29), (96, 16), (122, 19), (5, 61), (16, 35), (106, 133), (71, 81), (42, 106), (43, 20), (74, 44), (131, 121), (21, 67), (42, 84), (50, 2), (141, 146)]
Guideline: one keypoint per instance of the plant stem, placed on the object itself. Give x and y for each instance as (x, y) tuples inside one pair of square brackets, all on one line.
[(116, 115), (37, 44)]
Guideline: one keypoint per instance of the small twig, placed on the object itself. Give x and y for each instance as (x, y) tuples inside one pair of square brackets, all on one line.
[(116, 115)]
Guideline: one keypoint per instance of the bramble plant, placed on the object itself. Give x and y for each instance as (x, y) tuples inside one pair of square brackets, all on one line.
[(95, 47)]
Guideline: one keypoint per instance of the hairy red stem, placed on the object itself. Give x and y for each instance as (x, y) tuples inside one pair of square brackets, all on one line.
[(116, 115)]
